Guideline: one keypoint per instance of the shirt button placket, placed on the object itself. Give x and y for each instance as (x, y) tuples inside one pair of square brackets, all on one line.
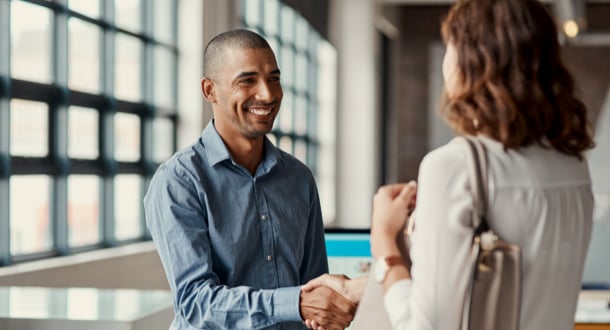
[(264, 218)]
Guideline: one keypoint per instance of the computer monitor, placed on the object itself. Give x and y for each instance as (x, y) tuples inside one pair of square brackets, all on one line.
[(349, 251)]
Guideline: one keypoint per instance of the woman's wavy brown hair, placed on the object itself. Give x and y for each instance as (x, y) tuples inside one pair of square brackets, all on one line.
[(512, 85)]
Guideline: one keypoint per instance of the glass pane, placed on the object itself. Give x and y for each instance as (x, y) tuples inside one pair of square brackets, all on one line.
[(126, 137), (29, 214), (287, 24), (83, 133), (300, 115), (301, 77), (286, 144), (30, 42), (163, 21), (77, 310), (286, 112), (87, 7), (128, 68), (84, 65), (272, 138), (164, 77), (29, 128), (275, 45), (302, 32), (163, 138), (129, 302), (271, 16), (127, 14), (28, 303), (286, 66), (252, 12), (127, 202), (300, 150), (83, 210)]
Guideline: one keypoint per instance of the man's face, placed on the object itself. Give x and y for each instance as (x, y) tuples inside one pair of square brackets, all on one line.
[(245, 93)]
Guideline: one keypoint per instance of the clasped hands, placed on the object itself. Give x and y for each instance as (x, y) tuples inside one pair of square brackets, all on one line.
[(329, 302)]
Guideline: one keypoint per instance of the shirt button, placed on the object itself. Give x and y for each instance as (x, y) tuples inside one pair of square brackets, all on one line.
[(269, 258), (264, 217)]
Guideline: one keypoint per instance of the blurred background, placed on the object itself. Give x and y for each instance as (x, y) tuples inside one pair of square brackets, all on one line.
[(95, 94)]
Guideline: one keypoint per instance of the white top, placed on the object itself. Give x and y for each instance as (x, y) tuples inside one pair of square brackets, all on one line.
[(538, 198)]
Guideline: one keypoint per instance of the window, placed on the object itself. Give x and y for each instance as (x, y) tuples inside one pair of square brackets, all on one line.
[(84, 120), (305, 126)]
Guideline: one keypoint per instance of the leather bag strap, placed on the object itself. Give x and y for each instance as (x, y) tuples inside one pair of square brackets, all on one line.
[(477, 168), (477, 175)]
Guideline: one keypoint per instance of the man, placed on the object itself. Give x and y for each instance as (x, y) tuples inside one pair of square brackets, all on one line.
[(236, 221)]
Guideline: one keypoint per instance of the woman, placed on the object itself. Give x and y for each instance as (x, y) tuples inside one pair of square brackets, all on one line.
[(505, 84)]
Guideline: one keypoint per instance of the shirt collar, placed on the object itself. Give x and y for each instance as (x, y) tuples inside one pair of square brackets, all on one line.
[(217, 151)]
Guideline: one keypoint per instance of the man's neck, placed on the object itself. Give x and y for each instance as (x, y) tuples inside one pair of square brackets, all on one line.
[(247, 152)]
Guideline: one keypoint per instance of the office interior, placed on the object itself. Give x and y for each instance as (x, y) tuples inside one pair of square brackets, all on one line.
[(95, 94)]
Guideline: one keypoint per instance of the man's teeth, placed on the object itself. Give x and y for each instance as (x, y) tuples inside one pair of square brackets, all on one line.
[(259, 112)]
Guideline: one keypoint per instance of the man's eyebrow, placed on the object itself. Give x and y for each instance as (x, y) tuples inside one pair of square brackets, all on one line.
[(246, 74), (253, 73)]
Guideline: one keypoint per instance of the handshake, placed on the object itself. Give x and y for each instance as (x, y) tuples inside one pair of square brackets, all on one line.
[(329, 301)]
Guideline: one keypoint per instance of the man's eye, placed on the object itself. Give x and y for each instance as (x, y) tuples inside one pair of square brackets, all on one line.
[(274, 78), (246, 81)]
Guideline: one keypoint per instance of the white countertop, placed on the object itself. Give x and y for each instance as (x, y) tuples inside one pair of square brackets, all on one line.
[(115, 308)]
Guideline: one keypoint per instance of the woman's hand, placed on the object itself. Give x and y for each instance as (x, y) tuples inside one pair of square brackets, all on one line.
[(352, 289), (392, 205)]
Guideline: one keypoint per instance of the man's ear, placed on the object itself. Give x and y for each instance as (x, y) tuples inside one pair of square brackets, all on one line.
[(208, 89)]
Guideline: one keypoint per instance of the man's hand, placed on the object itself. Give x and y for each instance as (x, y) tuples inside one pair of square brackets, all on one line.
[(328, 308), (352, 289)]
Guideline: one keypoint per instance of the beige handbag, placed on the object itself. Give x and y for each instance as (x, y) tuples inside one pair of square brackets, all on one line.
[(493, 296)]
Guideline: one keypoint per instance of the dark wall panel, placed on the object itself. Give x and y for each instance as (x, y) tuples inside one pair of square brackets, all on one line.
[(315, 11)]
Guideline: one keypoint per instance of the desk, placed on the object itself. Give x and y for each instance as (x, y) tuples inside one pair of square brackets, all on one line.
[(593, 310), (84, 308)]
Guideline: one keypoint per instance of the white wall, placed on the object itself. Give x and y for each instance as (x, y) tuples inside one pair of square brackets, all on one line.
[(439, 133), (352, 32), (194, 33), (597, 267)]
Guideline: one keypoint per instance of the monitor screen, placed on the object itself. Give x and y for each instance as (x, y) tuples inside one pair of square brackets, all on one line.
[(349, 251)]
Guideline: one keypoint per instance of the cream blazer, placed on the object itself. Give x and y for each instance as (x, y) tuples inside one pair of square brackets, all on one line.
[(538, 198)]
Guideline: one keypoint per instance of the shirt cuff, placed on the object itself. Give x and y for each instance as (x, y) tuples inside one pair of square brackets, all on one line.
[(396, 301), (286, 304)]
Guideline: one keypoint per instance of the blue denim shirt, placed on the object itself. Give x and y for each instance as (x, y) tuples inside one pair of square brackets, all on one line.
[(235, 247)]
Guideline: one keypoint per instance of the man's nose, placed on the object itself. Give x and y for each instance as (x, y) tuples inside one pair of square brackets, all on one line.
[(264, 91)]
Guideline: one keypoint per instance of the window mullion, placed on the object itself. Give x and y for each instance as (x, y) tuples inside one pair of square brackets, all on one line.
[(58, 131), (312, 103), (106, 129), (5, 237), (146, 121)]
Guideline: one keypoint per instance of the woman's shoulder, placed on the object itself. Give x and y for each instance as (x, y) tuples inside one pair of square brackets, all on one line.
[(447, 160), (451, 153)]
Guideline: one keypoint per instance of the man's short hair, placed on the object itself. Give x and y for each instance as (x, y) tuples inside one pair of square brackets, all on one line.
[(239, 38)]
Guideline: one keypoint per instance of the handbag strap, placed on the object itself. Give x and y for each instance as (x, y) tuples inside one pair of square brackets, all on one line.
[(477, 176), (477, 168)]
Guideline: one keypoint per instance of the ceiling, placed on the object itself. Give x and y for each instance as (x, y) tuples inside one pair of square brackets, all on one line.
[(444, 2), (590, 37)]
